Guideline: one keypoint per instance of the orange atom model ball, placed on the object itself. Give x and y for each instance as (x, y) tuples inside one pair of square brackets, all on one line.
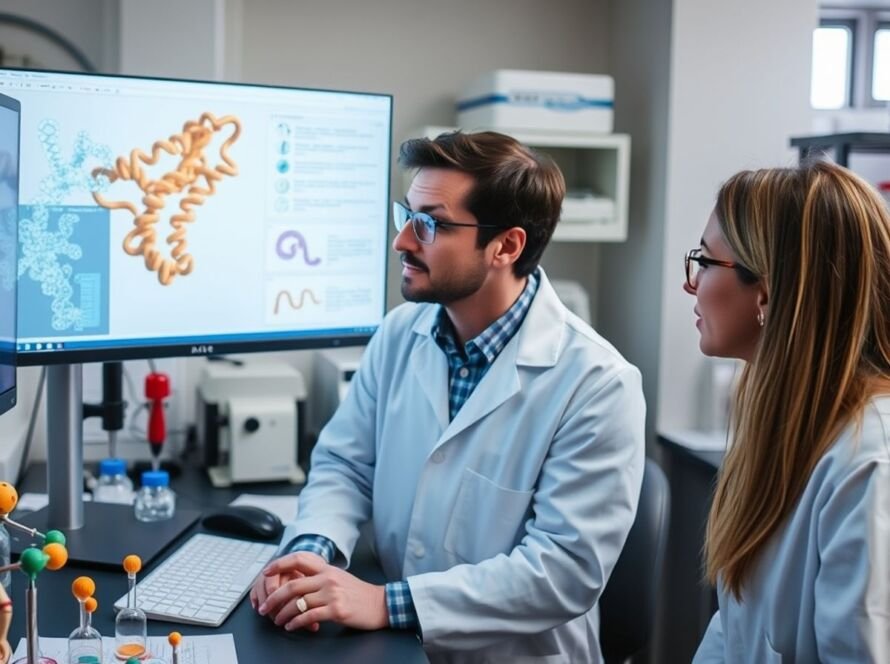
[(9, 497)]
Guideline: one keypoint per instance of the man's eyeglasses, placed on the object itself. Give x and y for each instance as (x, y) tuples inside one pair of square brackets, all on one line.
[(424, 225), (692, 273)]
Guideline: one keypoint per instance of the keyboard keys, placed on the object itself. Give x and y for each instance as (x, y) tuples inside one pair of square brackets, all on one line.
[(202, 581)]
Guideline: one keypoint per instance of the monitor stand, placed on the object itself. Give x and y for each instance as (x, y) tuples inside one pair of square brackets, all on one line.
[(97, 533)]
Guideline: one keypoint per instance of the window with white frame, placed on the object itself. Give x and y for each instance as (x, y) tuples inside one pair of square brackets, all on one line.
[(880, 79), (851, 58), (832, 65)]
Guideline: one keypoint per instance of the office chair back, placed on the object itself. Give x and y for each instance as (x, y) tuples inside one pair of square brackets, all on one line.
[(627, 605)]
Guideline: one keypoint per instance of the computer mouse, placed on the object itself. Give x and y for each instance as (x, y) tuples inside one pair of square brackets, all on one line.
[(245, 521)]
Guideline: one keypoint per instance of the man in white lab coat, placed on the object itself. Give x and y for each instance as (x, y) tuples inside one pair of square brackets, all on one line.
[(494, 440)]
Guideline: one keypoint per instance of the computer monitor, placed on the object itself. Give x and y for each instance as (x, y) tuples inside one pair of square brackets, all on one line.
[(9, 188), (164, 217)]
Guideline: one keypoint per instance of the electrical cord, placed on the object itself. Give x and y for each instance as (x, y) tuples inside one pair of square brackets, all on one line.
[(48, 33)]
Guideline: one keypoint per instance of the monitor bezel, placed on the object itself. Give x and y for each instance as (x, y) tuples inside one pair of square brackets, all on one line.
[(8, 397), (199, 349)]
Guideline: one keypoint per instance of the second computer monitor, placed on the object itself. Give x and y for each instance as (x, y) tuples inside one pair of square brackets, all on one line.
[(165, 217), (9, 176)]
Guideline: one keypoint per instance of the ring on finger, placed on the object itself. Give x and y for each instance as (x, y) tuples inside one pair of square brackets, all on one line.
[(302, 607)]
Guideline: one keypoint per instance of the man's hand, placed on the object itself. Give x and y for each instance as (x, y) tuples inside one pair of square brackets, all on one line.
[(262, 588), (266, 585), (329, 593)]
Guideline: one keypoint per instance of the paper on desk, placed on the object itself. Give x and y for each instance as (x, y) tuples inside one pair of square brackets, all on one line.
[(284, 507), (205, 649)]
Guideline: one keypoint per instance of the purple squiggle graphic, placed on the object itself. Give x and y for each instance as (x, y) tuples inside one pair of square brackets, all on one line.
[(287, 250)]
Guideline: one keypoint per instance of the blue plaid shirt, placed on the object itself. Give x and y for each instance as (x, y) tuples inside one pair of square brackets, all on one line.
[(466, 367), (468, 364)]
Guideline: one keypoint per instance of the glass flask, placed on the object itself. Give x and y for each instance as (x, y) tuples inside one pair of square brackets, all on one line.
[(85, 642), (130, 625)]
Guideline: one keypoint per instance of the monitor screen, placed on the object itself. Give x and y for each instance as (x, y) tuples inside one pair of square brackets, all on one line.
[(164, 217), (9, 188)]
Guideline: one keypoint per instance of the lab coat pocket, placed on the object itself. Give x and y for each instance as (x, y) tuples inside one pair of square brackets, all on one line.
[(770, 655), (487, 518)]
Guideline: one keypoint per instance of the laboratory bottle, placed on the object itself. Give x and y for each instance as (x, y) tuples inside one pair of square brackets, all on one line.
[(113, 486), (155, 501)]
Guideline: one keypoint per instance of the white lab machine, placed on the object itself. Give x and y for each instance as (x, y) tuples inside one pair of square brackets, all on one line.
[(538, 101), (332, 373), (249, 422)]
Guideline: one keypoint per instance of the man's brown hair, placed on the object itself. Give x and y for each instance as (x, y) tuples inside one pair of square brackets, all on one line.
[(514, 185)]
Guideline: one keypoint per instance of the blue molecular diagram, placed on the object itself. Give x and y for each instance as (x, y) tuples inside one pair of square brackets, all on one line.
[(64, 249), (53, 239)]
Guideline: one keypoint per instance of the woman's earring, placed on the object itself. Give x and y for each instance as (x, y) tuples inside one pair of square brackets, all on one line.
[(761, 319)]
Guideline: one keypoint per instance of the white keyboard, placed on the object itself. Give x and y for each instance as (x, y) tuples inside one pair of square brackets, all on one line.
[(202, 581)]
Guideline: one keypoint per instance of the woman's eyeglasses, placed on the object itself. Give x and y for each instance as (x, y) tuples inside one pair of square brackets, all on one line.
[(692, 273)]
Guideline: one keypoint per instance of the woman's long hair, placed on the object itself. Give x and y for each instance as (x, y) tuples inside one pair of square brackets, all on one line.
[(818, 236)]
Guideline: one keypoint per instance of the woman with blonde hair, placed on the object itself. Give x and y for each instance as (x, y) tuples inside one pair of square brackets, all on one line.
[(793, 277)]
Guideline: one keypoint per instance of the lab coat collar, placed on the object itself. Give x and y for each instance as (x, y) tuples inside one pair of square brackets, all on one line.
[(539, 337), (536, 344)]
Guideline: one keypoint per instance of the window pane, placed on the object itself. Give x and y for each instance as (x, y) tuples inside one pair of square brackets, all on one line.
[(831, 67), (880, 82)]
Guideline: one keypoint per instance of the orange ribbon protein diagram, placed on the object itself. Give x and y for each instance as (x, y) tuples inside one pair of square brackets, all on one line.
[(193, 177), (301, 300)]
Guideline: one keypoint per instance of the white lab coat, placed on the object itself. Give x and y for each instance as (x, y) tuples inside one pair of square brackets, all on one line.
[(820, 591), (508, 520)]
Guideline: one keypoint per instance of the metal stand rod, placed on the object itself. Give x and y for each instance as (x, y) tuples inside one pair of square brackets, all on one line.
[(31, 609), (64, 445)]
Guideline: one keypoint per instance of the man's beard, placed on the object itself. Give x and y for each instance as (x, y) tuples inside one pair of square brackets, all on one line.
[(446, 289)]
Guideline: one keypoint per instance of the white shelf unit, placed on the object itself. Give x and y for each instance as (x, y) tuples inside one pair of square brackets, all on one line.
[(595, 163)]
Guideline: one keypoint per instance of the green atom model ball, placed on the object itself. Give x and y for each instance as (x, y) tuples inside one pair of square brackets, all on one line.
[(54, 537), (33, 561)]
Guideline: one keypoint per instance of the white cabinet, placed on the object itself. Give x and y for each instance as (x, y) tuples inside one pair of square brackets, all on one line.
[(597, 172)]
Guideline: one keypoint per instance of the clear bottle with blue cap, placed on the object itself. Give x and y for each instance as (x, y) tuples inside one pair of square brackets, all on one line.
[(113, 485), (155, 501)]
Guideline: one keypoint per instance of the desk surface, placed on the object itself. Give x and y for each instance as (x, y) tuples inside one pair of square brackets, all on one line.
[(256, 638)]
